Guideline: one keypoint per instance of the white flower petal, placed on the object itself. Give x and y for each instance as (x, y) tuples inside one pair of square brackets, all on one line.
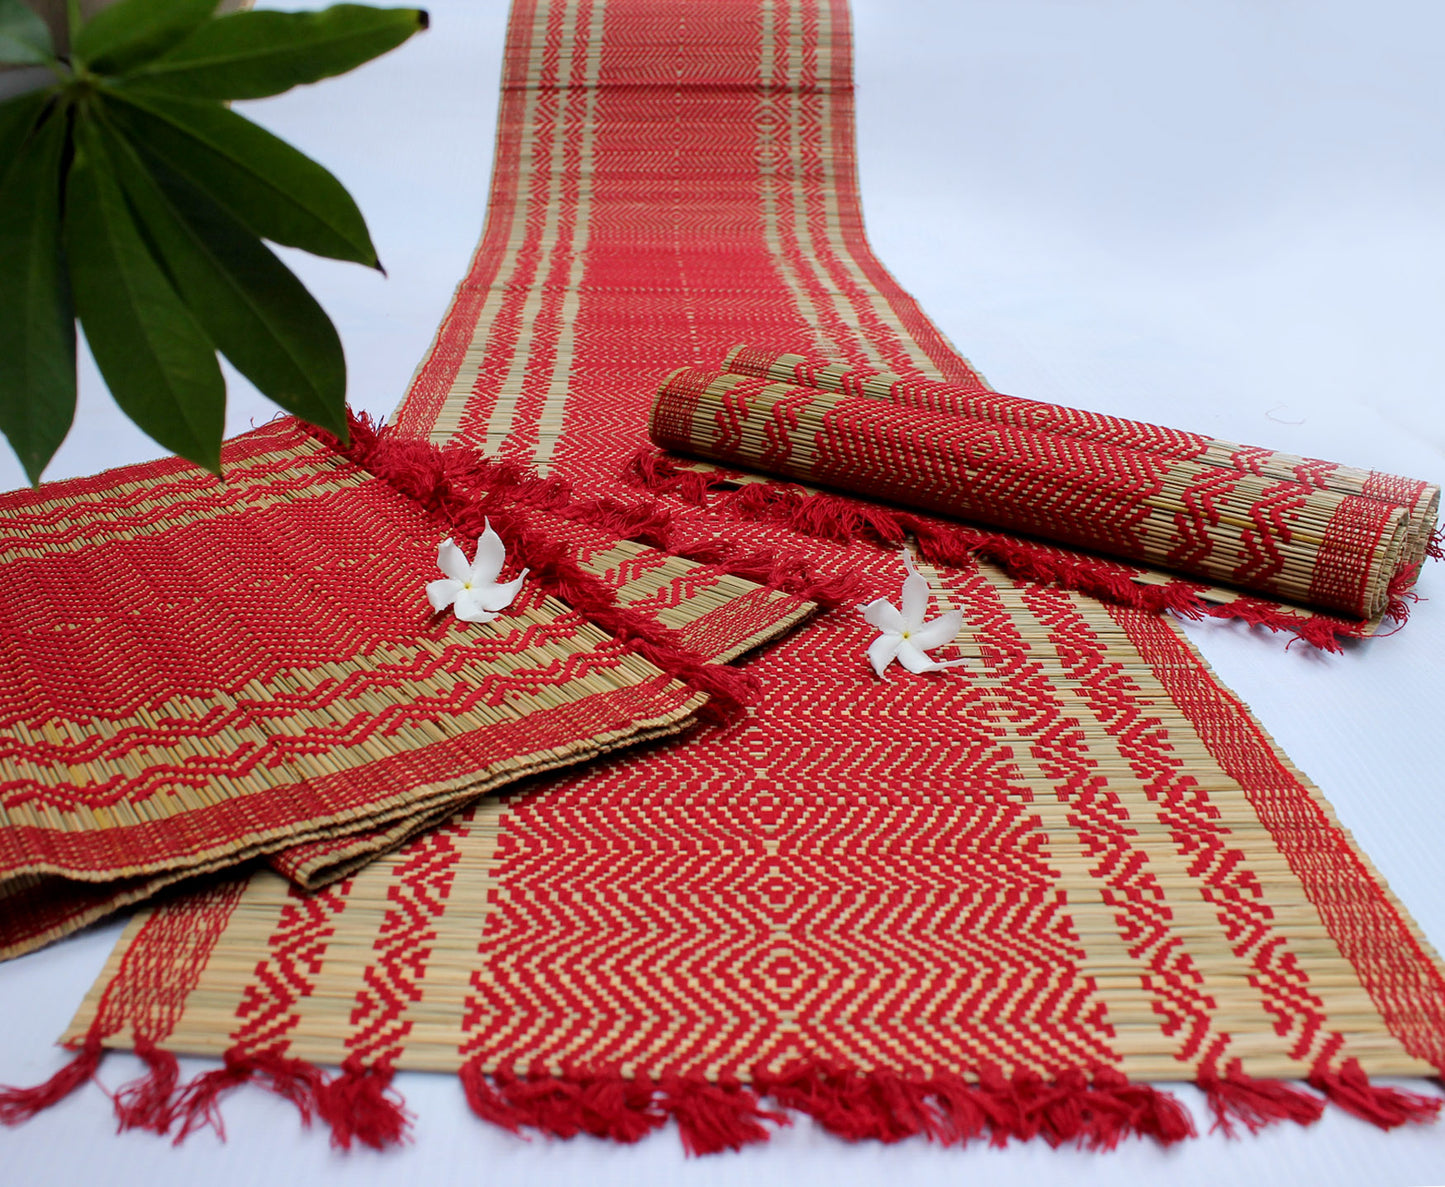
[(882, 650), (469, 608), (491, 556), (442, 594), (917, 662), (915, 600), (943, 629), (913, 659), (452, 561), (499, 597), (882, 615)]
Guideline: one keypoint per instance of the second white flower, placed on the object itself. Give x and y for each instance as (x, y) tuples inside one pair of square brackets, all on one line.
[(903, 635)]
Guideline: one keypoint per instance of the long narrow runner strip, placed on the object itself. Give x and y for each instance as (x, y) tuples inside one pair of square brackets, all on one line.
[(988, 900)]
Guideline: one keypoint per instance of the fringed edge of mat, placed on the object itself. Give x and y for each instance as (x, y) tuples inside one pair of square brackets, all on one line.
[(464, 489), (442, 480), (1093, 1111), (832, 517)]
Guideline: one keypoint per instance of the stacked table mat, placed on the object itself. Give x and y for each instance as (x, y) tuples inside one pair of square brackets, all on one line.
[(196, 673)]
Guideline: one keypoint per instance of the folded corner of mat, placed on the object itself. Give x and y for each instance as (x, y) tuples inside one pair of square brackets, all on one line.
[(200, 672)]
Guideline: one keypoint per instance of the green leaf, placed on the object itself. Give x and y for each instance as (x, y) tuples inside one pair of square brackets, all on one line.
[(246, 300), (130, 33), (158, 363), (18, 116), (279, 193), (250, 55), (37, 330), (24, 37)]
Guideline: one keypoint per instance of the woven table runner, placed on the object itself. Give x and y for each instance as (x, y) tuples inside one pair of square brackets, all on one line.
[(996, 899), (196, 672)]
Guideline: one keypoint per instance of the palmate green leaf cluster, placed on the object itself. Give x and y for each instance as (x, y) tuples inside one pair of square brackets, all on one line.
[(134, 200)]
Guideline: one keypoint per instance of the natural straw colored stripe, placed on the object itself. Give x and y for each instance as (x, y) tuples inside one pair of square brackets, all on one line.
[(462, 965), (270, 681), (1316, 547)]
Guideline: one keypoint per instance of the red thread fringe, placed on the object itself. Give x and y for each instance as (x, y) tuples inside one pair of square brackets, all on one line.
[(461, 482), (197, 1106), (1401, 595), (1351, 1090), (830, 517), (1096, 1112), (465, 490), (1236, 1096), (21, 1104), (146, 1103), (712, 1117), (951, 1110), (359, 1106), (611, 1107)]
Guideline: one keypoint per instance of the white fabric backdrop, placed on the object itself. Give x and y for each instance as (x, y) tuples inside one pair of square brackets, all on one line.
[(1225, 217)]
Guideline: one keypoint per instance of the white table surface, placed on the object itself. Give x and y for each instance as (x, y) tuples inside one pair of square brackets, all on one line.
[(1228, 217)]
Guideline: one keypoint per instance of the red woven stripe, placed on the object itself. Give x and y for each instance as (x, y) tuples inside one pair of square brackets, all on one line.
[(973, 399), (1357, 531), (1403, 982)]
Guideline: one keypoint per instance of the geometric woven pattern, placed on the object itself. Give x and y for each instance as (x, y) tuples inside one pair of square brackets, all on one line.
[(1120, 488), (965, 901), (1074, 871), (1047, 884), (197, 673), (1420, 500)]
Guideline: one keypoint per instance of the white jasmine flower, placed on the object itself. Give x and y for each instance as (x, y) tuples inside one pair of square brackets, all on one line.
[(903, 635), (472, 590)]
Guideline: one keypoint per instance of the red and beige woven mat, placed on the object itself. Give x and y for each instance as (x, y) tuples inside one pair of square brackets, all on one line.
[(1343, 541), (198, 672), (995, 899)]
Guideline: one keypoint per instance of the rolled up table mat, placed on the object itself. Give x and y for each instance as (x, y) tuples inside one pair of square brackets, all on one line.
[(1420, 500), (1285, 539)]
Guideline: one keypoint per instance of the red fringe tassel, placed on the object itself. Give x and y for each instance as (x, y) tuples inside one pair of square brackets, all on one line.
[(1351, 1090), (951, 1110), (621, 1110), (197, 1106), (460, 484), (830, 517), (1402, 595), (21, 1104), (359, 1106), (146, 1103), (712, 1117), (465, 489), (1094, 1111), (878, 1106), (1236, 1096)]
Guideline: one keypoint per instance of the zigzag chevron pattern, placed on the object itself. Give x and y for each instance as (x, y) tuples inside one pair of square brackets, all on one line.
[(196, 673), (960, 903)]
